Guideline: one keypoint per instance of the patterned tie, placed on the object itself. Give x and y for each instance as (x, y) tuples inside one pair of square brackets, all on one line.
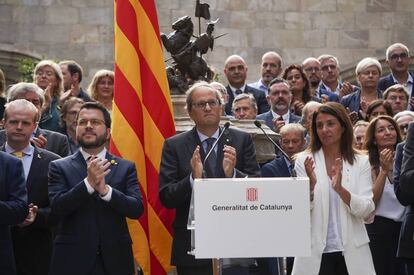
[(212, 159), (238, 92), (18, 154)]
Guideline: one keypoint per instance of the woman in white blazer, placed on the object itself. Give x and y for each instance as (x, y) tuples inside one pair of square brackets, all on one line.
[(341, 197)]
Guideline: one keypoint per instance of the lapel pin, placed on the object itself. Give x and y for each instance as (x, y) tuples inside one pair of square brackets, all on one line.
[(113, 162)]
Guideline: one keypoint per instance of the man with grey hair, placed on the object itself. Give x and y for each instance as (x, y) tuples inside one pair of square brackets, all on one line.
[(397, 96), (32, 239), (398, 60), (235, 70), (183, 161), (312, 68), (330, 77), (271, 67), (42, 138), (244, 107), (403, 119)]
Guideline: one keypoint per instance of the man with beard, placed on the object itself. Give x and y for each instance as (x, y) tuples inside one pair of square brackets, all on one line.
[(312, 68), (279, 99), (271, 67), (92, 192)]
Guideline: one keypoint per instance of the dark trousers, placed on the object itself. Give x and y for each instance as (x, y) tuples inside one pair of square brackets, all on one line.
[(383, 236), (195, 270), (409, 263), (99, 268), (333, 263)]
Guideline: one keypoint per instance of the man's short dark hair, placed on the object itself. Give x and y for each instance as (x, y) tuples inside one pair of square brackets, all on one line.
[(276, 81), (73, 67), (97, 106)]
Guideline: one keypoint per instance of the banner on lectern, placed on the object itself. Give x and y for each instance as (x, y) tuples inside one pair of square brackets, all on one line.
[(251, 217)]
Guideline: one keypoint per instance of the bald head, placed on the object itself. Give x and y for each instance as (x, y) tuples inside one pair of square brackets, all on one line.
[(235, 69), (271, 66)]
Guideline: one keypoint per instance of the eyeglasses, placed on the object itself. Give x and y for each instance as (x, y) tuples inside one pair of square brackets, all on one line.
[(397, 56), (93, 122), (403, 128), (203, 104)]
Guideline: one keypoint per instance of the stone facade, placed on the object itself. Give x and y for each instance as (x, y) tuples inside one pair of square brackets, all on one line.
[(83, 29)]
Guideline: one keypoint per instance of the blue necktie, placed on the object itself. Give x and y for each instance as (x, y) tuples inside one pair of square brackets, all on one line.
[(212, 159)]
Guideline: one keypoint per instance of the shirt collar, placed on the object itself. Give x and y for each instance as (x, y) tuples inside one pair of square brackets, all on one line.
[(203, 137), (101, 154), (409, 79), (242, 88), (28, 151), (284, 116)]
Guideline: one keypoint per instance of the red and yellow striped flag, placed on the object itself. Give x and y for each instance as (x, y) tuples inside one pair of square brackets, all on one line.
[(142, 118)]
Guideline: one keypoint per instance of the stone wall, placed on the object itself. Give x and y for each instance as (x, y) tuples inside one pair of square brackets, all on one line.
[(349, 29), (83, 29)]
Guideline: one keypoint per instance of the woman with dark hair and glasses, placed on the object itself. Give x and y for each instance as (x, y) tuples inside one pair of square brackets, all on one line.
[(381, 139), (341, 197), (299, 85)]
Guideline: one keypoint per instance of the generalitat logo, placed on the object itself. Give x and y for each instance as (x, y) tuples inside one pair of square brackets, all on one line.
[(251, 194)]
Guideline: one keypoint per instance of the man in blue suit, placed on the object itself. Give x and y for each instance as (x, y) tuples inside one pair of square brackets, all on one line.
[(13, 207), (235, 70), (279, 99), (398, 60), (292, 142), (92, 192)]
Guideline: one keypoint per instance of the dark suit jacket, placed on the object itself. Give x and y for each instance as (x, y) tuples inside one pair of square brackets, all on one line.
[(175, 187), (276, 168), (262, 105), (404, 190), (353, 101), (89, 225), (387, 81), (13, 207), (268, 118), (56, 142), (33, 244)]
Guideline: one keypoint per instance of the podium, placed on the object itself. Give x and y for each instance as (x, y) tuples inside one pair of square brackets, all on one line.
[(250, 218)]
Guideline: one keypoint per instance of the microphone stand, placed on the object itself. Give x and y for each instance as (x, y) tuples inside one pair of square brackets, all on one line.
[(293, 175), (216, 263), (293, 171)]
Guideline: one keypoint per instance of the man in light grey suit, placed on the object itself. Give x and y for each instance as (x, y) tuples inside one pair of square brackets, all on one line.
[(279, 99)]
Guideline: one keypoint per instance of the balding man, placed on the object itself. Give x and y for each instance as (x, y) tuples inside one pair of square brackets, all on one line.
[(270, 68), (235, 70), (32, 239)]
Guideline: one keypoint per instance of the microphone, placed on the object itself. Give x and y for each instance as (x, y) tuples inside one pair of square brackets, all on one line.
[(259, 125), (225, 127)]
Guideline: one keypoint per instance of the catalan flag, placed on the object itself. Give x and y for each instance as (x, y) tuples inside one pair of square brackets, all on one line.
[(142, 118)]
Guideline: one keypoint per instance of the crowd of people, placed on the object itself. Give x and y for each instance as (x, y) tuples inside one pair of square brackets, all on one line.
[(67, 197)]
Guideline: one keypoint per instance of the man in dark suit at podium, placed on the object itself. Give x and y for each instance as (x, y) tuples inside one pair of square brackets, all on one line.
[(292, 142), (13, 207), (182, 162)]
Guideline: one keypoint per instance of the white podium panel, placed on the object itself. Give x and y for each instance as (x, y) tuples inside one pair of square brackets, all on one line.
[(251, 217)]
